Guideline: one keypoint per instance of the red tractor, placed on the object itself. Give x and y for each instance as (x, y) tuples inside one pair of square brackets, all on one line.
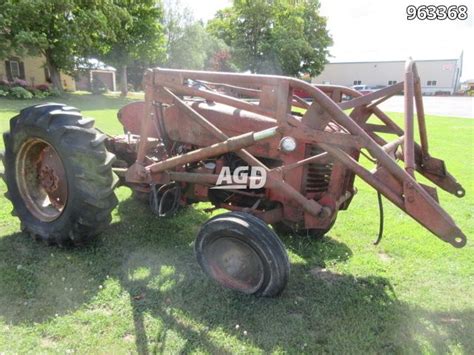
[(246, 143)]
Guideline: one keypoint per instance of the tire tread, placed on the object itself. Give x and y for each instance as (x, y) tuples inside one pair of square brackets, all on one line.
[(90, 161)]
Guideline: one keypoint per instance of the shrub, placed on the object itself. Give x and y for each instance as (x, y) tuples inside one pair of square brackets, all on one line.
[(20, 82), (42, 87), (54, 92), (3, 93), (5, 85), (38, 94), (42, 94), (20, 93)]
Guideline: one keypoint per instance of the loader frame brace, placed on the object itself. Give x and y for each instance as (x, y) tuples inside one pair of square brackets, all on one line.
[(274, 98)]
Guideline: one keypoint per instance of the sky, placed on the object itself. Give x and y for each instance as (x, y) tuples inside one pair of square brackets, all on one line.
[(366, 30)]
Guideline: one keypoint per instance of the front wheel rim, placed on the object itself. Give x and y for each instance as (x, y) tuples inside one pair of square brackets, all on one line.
[(234, 264), (41, 179)]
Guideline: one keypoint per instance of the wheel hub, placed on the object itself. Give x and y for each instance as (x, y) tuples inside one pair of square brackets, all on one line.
[(41, 179), (235, 264), (48, 179)]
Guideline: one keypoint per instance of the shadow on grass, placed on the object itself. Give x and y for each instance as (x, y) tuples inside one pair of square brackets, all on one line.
[(152, 260), (84, 102)]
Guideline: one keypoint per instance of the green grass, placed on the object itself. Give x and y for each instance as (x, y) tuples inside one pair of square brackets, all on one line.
[(138, 288)]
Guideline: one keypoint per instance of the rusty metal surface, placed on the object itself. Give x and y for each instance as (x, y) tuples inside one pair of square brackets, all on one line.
[(235, 264), (41, 179), (307, 186)]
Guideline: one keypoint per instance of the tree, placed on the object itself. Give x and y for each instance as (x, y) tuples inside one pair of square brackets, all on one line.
[(195, 49), (135, 71), (176, 19), (189, 45), (138, 37), (246, 28), (277, 37), (63, 31), (221, 60), (188, 50)]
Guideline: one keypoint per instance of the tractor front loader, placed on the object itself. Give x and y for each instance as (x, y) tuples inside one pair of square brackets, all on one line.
[(247, 144)]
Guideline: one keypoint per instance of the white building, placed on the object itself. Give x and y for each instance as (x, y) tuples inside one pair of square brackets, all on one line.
[(437, 76)]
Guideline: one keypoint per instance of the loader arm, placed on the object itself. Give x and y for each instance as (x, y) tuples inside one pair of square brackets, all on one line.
[(397, 184), (324, 124)]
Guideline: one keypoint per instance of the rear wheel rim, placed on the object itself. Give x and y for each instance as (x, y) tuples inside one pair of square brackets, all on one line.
[(234, 264), (41, 179)]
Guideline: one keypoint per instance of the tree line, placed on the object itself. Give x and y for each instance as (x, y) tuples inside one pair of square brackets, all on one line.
[(261, 36)]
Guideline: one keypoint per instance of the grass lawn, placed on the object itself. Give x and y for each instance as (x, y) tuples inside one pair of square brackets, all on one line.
[(138, 288)]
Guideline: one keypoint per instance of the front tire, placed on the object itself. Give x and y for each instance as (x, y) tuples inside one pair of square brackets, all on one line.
[(240, 252), (58, 174)]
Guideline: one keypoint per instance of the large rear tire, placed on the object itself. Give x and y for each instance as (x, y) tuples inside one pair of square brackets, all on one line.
[(242, 253), (58, 174)]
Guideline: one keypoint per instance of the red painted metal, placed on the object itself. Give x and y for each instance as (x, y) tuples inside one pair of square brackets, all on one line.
[(130, 117), (192, 124)]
